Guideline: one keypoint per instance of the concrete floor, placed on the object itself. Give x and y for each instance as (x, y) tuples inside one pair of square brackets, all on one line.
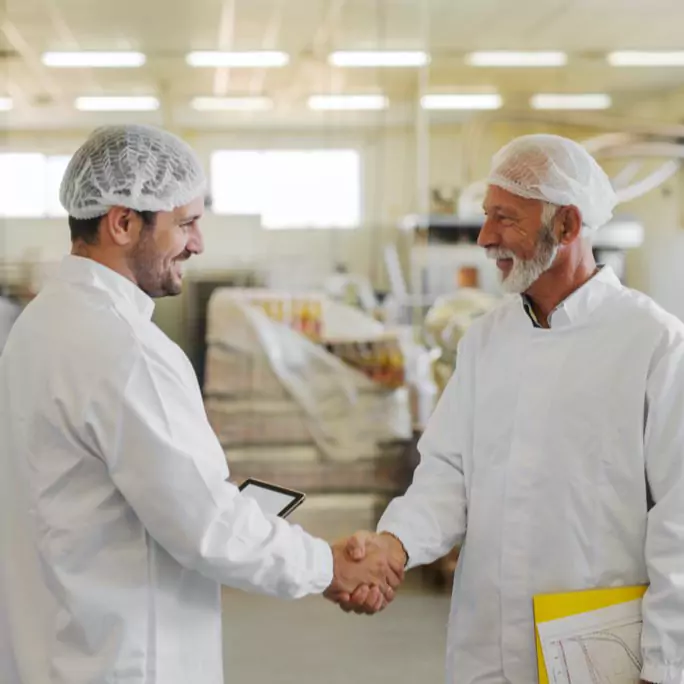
[(313, 642)]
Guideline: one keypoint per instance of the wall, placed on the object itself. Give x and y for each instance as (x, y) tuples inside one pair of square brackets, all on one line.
[(656, 268), (388, 194), (457, 153)]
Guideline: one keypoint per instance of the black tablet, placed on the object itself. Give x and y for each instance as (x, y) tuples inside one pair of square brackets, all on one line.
[(272, 499)]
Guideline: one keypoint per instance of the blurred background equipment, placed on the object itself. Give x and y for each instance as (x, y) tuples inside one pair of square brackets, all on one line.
[(346, 143), (280, 373), (446, 323), (351, 288)]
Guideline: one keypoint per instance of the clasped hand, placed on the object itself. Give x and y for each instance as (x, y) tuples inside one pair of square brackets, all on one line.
[(368, 568)]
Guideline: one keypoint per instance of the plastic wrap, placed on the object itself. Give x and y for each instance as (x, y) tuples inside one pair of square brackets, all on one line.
[(346, 415)]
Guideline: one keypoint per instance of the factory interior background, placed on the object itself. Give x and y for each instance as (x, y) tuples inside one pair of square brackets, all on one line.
[(346, 144)]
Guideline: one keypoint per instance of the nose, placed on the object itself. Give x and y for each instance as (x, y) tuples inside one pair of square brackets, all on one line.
[(488, 236), (196, 242)]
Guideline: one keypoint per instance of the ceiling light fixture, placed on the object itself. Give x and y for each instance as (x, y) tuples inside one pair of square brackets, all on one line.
[(466, 101), (630, 58), (93, 59), (379, 59), (348, 102), (231, 104), (505, 58), (255, 59), (117, 104), (571, 101)]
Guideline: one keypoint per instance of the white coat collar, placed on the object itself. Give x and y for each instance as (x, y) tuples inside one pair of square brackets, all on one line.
[(83, 271), (586, 299)]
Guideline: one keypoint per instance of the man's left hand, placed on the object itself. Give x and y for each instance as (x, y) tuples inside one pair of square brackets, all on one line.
[(366, 599)]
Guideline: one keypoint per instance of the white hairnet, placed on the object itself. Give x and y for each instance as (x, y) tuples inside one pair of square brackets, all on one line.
[(139, 167), (556, 170)]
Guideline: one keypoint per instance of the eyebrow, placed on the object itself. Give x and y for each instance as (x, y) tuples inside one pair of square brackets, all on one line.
[(190, 219), (500, 207)]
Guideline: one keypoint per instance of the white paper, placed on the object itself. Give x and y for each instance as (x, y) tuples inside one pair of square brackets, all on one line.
[(598, 647)]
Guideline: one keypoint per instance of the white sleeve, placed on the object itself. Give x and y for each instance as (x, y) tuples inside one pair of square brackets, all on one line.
[(168, 464), (430, 519), (663, 606)]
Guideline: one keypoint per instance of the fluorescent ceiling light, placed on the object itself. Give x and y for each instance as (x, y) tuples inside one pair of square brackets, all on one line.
[(234, 104), (264, 58), (379, 59), (464, 101), (6, 103), (568, 101), (646, 59), (505, 58), (347, 102), (93, 59), (117, 104)]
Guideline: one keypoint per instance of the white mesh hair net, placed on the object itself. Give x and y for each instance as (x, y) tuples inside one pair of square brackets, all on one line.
[(135, 166), (556, 170)]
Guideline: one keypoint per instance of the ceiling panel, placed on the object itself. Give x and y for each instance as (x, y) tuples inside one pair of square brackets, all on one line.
[(308, 29)]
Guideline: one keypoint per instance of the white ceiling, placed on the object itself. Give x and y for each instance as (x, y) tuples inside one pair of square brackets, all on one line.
[(308, 30)]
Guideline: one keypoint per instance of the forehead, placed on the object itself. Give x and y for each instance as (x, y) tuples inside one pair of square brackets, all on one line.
[(498, 198), (194, 209)]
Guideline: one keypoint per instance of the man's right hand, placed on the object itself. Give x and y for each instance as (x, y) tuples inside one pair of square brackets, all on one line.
[(375, 570), (366, 598)]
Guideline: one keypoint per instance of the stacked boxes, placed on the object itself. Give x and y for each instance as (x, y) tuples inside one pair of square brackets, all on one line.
[(303, 313), (380, 360), (286, 409)]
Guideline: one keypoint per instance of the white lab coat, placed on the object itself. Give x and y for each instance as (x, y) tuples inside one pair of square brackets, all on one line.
[(117, 525), (535, 461), (9, 312)]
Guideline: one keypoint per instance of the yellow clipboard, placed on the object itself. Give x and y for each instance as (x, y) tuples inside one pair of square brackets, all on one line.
[(555, 606)]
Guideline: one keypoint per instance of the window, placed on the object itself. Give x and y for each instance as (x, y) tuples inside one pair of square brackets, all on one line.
[(289, 188), (56, 166), (22, 188), (30, 185)]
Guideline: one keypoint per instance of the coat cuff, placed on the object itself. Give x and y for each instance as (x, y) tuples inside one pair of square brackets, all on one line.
[(657, 673), (405, 539), (323, 559)]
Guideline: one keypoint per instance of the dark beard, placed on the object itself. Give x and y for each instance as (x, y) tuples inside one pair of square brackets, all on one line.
[(148, 269)]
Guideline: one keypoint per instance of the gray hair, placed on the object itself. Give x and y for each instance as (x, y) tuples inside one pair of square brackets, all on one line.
[(549, 212)]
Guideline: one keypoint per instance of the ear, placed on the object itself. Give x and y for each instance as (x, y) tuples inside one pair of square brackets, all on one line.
[(571, 224), (122, 226)]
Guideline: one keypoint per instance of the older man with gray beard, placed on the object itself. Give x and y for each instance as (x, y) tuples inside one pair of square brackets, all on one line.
[(555, 457)]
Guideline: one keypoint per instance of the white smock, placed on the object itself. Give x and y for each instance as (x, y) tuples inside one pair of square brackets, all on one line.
[(9, 312), (535, 460), (117, 525)]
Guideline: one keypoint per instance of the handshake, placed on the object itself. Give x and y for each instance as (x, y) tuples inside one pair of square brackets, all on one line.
[(368, 568)]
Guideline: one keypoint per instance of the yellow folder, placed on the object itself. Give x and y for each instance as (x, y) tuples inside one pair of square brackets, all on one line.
[(555, 606)]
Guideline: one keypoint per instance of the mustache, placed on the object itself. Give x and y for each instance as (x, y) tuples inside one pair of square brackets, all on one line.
[(499, 253)]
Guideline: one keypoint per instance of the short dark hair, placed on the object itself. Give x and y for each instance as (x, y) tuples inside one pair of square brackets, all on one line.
[(87, 230)]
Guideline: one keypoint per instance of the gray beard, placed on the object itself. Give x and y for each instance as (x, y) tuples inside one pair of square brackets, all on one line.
[(526, 272)]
